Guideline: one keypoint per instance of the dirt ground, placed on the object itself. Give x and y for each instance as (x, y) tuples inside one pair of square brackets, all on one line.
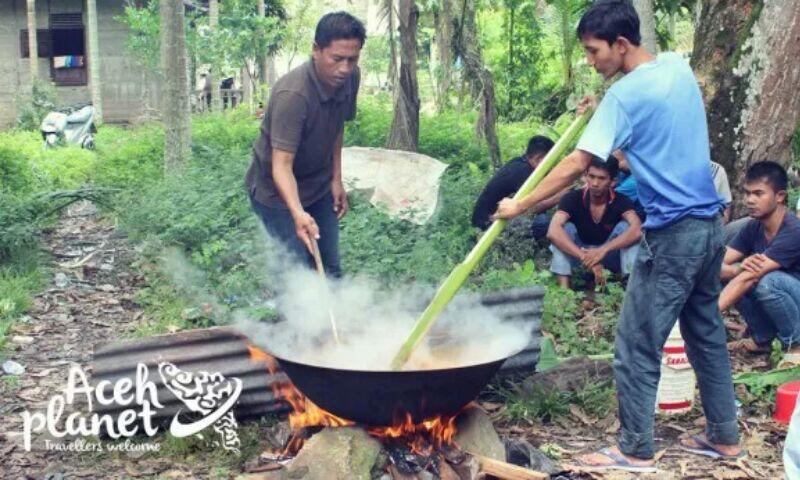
[(91, 301)]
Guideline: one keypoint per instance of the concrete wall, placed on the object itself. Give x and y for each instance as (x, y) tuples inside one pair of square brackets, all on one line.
[(129, 93)]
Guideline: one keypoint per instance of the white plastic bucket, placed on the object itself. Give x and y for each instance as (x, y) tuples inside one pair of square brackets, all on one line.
[(677, 384)]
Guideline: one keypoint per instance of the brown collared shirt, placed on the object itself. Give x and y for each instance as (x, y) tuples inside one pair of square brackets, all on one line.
[(304, 119)]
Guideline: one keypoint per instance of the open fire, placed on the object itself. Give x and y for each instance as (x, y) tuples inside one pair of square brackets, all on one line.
[(420, 438)]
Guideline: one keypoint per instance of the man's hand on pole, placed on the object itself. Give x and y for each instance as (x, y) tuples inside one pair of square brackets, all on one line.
[(508, 208), (589, 101), (340, 205), (306, 229)]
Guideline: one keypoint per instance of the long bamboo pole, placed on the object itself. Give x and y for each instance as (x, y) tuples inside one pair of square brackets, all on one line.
[(459, 275)]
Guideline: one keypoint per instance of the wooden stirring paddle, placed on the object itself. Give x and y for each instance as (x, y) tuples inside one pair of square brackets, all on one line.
[(321, 272)]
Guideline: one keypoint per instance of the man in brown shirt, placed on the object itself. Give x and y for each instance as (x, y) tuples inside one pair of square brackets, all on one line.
[(295, 180)]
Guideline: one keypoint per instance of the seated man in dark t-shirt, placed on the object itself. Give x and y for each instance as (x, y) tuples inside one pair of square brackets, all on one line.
[(765, 286), (594, 226), (508, 180)]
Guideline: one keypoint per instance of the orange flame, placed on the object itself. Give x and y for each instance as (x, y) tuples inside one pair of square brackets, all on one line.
[(419, 437)]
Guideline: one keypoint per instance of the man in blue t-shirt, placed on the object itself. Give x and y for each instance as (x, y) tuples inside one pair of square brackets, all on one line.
[(655, 115), (765, 286)]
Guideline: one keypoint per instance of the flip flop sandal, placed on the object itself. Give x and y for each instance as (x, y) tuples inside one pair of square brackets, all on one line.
[(620, 463), (706, 449), (789, 360)]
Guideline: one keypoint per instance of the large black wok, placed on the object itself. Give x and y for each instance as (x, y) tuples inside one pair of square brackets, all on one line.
[(378, 398)]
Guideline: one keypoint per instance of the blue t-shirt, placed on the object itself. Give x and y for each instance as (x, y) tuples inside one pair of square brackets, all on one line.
[(655, 115), (626, 185), (784, 249)]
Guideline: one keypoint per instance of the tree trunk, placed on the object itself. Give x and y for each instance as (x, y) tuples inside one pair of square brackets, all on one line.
[(272, 73), (263, 62), (444, 46), (479, 77), (512, 14), (175, 94), (95, 82), (647, 23), (405, 125), (391, 75), (539, 8), (33, 46), (745, 57), (214, 76)]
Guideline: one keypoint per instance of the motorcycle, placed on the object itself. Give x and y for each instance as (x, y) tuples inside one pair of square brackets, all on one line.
[(71, 125)]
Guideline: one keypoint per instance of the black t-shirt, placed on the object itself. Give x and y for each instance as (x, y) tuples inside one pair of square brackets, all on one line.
[(504, 183), (576, 205), (784, 248)]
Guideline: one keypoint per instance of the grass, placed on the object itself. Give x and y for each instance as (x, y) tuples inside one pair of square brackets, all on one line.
[(597, 400), (18, 283)]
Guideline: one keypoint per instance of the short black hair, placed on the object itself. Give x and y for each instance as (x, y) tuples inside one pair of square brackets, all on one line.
[(538, 145), (770, 172), (338, 26), (610, 165), (610, 19)]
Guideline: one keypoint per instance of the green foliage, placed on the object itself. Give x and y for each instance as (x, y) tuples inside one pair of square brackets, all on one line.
[(375, 57), (32, 107), (241, 34), (144, 41), (544, 405), (18, 281), (129, 158), (564, 318), (16, 175), (761, 384)]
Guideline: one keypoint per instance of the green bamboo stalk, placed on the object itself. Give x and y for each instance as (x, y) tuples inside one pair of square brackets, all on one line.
[(459, 275)]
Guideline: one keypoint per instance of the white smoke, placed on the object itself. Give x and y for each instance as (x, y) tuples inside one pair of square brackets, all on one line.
[(373, 322)]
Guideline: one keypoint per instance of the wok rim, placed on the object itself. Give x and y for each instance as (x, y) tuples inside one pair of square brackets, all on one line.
[(441, 370)]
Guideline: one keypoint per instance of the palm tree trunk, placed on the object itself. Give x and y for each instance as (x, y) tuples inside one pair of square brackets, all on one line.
[(405, 125), (95, 82), (479, 77), (175, 94), (444, 47), (647, 23), (391, 75), (263, 62), (33, 46), (214, 75)]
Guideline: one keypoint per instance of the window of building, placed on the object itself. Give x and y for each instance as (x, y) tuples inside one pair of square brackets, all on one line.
[(68, 49)]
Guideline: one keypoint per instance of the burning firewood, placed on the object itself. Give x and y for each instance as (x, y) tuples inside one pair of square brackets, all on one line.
[(507, 471)]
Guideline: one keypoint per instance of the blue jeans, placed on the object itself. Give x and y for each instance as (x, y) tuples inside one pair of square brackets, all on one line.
[(676, 274), (280, 226), (616, 261), (772, 309), (540, 225)]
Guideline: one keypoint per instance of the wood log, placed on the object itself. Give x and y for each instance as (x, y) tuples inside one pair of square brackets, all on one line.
[(507, 471)]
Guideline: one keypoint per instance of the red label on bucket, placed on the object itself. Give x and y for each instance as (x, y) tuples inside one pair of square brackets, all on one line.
[(674, 405)]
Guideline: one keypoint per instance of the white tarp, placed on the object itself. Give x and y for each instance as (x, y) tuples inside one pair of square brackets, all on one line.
[(406, 184)]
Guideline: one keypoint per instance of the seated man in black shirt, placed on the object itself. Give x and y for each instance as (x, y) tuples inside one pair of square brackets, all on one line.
[(765, 286), (594, 226), (507, 181)]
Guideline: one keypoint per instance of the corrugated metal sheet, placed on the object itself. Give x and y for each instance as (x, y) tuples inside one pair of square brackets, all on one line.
[(225, 351)]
